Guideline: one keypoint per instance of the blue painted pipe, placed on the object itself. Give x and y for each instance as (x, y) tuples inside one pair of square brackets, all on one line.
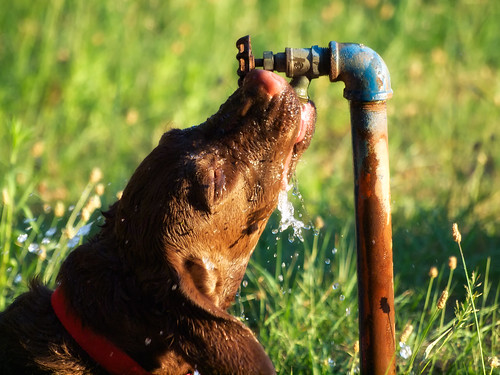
[(363, 71)]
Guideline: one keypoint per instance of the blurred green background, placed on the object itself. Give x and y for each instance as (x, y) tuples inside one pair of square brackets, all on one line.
[(95, 83)]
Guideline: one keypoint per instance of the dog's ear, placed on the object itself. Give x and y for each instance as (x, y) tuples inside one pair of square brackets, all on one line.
[(198, 282), (203, 276)]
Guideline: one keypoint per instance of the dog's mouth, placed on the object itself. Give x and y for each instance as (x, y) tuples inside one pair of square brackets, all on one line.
[(292, 115), (306, 130)]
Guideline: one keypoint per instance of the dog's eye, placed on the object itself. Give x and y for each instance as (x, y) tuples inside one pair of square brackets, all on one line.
[(217, 183), (212, 183)]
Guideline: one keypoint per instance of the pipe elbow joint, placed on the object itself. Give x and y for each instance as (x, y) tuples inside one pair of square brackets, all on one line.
[(363, 71)]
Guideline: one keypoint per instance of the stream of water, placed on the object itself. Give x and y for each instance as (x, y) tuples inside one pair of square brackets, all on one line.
[(287, 211)]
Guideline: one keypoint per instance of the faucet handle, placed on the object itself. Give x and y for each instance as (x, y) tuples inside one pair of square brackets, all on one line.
[(245, 57)]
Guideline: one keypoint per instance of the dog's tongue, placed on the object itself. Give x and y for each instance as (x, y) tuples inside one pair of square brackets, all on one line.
[(307, 119)]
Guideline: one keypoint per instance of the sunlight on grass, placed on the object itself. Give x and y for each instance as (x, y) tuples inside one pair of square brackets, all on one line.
[(96, 83)]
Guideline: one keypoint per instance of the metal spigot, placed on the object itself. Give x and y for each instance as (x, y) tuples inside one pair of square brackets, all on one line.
[(363, 71), (300, 64)]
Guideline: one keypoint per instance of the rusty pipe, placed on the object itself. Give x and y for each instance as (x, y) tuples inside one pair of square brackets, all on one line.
[(367, 87), (373, 237)]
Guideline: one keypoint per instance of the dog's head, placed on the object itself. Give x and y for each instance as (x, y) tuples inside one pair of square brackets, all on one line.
[(197, 205)]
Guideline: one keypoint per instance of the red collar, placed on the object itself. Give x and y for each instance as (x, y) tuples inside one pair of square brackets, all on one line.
[(103, 351)]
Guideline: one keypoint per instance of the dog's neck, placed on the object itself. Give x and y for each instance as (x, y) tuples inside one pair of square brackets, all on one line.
[(100, 349)]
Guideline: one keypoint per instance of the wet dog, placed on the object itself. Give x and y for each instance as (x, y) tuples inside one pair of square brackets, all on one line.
[(149, 293)]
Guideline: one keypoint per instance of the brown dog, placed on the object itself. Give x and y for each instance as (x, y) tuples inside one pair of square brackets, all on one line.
[(152, 288)]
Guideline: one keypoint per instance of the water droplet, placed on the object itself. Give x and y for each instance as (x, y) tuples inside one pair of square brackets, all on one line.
[(280, 278), (331, 362), (18, 278), (83, 231), (335, 286), (22, 237), (174, 287), (244, 283), (347, 311), (73, 242), (283, 265), (33, 248), (147, 341), (342, 297), (405, 351), (334, 251), (327, 261)]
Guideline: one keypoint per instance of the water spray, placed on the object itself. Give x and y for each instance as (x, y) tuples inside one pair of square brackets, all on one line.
[(367, 88)]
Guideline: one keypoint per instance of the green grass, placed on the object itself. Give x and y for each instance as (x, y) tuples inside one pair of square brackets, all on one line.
[(87, 84)]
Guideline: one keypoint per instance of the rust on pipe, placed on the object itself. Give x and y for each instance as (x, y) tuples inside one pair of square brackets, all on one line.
[(374, 237)]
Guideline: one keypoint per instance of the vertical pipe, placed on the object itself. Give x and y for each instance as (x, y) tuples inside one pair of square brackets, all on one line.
[(374, 237), (367, 87)]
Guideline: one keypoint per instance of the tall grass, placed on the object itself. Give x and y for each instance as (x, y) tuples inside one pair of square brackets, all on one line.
[(95, 83), (305, 311)]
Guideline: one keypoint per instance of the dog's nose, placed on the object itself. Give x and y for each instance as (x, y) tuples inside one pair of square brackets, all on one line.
[(266, 81)]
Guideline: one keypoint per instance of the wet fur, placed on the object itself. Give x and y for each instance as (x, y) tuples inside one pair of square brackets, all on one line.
[(159, 276)]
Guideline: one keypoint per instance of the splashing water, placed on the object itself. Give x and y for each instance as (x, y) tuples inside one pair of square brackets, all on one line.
[(22, 238), (405, 351), (331, 362), (83, 231), (33, 248), (288, 219)]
